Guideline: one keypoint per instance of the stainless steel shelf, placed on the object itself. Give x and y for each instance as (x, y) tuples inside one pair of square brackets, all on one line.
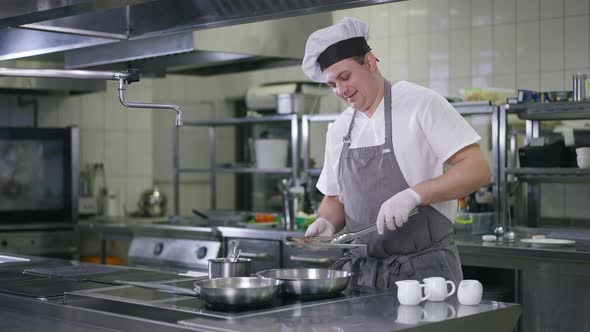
[(241, 121), (550, 174), (237, 170), (473, 107), (321, 117), (314, 171), (567, 110)]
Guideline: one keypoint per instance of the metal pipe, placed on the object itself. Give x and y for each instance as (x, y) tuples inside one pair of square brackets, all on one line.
[(122, 77), (175, 108), (63, 73)]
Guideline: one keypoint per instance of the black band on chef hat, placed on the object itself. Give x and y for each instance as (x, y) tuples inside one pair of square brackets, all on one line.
[(341, 50)]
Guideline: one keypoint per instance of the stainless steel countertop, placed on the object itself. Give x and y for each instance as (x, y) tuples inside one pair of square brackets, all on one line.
[(376, 312), (468, 245)]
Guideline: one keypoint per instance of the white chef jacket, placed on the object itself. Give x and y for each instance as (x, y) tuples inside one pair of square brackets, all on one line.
[(426, 131)]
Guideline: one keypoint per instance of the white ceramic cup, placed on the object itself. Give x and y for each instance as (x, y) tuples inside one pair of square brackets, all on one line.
[(469, 292), (438, 311), (409, 314), (437, 288), (409, 292), (583, 161)]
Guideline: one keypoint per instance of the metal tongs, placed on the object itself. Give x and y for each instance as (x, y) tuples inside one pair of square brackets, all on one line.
[(343, 241), (351, 236)]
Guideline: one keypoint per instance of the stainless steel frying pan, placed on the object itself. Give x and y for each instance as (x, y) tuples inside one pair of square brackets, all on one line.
[(225, 292), (309, 282)]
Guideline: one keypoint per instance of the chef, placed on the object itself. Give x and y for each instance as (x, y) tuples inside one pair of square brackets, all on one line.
[(398, 146)]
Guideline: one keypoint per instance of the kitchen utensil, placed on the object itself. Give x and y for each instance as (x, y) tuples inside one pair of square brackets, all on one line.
[(437, 288), (200, 214), (548, 242), (510, 236), (228, 292), (409, 292), (469, 292), (349, 237), (557, 96), (579, 86), (226, 267), (160, 287), (152, 203), (318, 243), (232, 249), (342, 241), (271, 153), (309, 282), (240, 291), (499, 232)]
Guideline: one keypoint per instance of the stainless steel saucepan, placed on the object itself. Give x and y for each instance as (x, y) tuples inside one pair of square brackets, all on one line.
[(309, 282)]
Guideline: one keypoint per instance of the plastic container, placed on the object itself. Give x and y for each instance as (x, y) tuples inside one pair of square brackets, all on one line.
[(482, 223), (463, 223), (271, 153)]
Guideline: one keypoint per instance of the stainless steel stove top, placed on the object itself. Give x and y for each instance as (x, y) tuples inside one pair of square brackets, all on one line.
[(130, 298)]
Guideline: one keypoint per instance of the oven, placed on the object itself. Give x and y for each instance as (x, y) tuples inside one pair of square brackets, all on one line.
[(180, 250), (38, 190)]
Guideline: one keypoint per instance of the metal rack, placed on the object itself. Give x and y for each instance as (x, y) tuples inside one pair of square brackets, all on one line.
[(533, 114), (214, 168), (303, 138)]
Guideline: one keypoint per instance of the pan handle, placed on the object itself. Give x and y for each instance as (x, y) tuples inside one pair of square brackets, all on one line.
[(340, 262), (314, 260), (160, 287), (252, 255)]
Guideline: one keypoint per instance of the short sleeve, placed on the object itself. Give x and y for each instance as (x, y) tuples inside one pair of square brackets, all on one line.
[(328, 182), (445, 129)]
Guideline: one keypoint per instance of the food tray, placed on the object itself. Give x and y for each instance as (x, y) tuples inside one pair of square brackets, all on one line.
[(318, 243)]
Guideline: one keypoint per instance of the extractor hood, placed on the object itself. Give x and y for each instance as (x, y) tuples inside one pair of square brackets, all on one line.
[(200, 37)]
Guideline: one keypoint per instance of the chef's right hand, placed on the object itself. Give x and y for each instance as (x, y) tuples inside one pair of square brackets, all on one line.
[(320, 227)]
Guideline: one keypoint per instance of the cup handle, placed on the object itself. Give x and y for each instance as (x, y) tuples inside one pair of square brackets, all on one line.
[(453, 288), (426, 292)]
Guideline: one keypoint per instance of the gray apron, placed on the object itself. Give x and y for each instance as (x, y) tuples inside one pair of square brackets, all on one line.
[(423, 247)]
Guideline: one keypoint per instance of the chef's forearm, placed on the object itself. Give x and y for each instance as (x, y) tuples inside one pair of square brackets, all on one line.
[(469, 171), (332, 210)]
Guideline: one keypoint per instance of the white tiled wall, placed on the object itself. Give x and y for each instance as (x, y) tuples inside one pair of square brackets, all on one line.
[(452, 44)]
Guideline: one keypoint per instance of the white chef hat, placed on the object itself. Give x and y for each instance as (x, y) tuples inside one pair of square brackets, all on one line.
[(337, 42)]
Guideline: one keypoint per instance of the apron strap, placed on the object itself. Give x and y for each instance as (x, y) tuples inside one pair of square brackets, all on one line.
[(388, 126), (346, 139)]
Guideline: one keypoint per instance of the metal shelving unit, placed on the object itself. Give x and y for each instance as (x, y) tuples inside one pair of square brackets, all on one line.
[(306, 121), (557, 174), (533, 114), (215, 168)]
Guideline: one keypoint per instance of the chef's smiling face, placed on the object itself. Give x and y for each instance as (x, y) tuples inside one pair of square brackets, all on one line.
[(352, 82)]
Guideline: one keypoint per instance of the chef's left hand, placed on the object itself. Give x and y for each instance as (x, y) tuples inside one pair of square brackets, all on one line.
[(395, 211)]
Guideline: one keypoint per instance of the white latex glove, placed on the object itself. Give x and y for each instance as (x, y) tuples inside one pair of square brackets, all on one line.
[(320, 227), (394, 211)]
